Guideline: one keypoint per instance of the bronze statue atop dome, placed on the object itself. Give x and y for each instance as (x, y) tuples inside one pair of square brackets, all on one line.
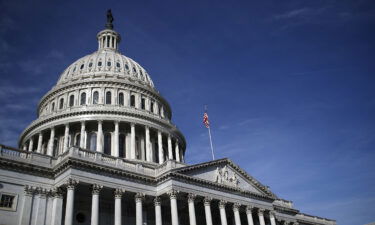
[(110, 19)]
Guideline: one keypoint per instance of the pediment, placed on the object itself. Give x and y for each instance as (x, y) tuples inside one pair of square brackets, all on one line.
[(225, 172)]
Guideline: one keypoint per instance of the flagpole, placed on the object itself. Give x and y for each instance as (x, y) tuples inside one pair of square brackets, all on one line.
[(209, 134)]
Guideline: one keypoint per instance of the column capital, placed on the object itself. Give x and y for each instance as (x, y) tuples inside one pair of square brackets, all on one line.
[(236, 206), (83, 122), (118, 192), (261, 211), (56, 192), (157, 201), (207, 200), (173, 193), (42, 192), (272, 213), (139, 197), (191, 197), (71, 183), (29, 190), (249, 209), (116, 122), (222, 204), (66, 125), (99, 121), (96, 188)]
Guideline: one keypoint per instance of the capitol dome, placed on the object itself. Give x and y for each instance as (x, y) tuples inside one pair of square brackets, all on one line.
[(105, 102)]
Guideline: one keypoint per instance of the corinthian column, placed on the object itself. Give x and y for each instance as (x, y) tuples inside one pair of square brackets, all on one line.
[(99, 137), (95, 204), (177, 150), (148, 150), (31, 143), (66, 138), (57, 204), (118, 197), (158, 218), (41, 202), (236, 213), (272, 218), (51, 142), (40, 142), (261, 217), (116, 139), (26, 206), (174, 212), (69, 207), (132, 141), (223, 214), (160, 148), (249, 215), (192, 218), (207, 210), (82, 135), (170, 155), (138, 208)]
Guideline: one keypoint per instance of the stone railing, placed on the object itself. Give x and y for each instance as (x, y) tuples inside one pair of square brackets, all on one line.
[(283, 203), (314, 219), (25, 156)]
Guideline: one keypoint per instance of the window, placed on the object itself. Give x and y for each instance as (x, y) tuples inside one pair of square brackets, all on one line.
[(109, 63), (8, 201), (100, 63), (132, 101), (82, 66), (91, 144), (108, 97), (78, 140), (121, 98), (95, 98), (107, 143), (122, 145), (152, 106), (134, 70), (83, 98), (118, 64), (61, 103), (90, 64), (126, 66), (53, 106), (143, 103), (71, 100)]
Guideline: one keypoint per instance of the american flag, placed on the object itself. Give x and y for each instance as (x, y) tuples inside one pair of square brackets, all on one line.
[(205, 120)]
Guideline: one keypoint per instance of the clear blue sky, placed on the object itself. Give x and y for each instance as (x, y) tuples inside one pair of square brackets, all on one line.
[(289, 84)]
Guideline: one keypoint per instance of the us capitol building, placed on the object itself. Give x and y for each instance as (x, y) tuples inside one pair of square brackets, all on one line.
[(104, 150)]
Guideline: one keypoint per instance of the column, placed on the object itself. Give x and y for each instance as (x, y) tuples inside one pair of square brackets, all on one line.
[(41, 201), (138, 208), (272, 218), (207, 210), (160, 148), (82, 135), (223, 214), (26, 206), (66, 138), (177, 150), (261, 217), (31, 143), (170, 155), (158, 218), (174, 212), (192, 218), (99, 137), (71, 183), (118, 197), (132, 141), (236, 213), (249, 215), (51, 142), (57, 204), (40, 141), (148, 150), (116, 139), (95, 204)]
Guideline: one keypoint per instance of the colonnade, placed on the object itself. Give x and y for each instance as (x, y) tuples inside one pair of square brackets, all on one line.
[(169, 148), (172, 194)]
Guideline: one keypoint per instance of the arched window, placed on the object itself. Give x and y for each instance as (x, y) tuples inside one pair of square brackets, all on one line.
[(83, 98), (132, 101), (143, 103), (61, 103), (121, 98), (78, 140), (95, 97), (53, 106), (152, 106), (107, 143), (91, 144), (121, 146), (108, 97), (55, 147), (71, 100)]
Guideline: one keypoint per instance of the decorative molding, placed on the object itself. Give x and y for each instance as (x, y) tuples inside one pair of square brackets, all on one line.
[(236, 206), (71, 183), (173, 193), (191, 197), (157, 201), (222, 204), (139, 197), (118, 192), (249, 209), (261, 212), (96, 188), (29, 190), (207, 201)]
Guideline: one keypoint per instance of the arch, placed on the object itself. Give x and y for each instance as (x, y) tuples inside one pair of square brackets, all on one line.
[(108, 98), (71, 101), (95, 97), (132, 100), (121, 146), (121, 98), (61, 103), (83, 98), (107, 143), (91, 144)]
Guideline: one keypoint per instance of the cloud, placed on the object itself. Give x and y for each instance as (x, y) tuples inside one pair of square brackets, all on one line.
[(293, 13)]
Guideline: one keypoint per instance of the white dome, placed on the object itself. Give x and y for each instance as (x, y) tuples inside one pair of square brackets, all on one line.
[(105, 61)]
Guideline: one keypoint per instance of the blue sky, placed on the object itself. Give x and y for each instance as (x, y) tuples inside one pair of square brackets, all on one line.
[(289, 84)]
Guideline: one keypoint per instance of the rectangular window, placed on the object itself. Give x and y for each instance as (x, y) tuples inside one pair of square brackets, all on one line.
[(8, 201)]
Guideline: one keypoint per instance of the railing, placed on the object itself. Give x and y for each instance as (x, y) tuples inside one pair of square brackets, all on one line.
[(13, 152), (31, 157)]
